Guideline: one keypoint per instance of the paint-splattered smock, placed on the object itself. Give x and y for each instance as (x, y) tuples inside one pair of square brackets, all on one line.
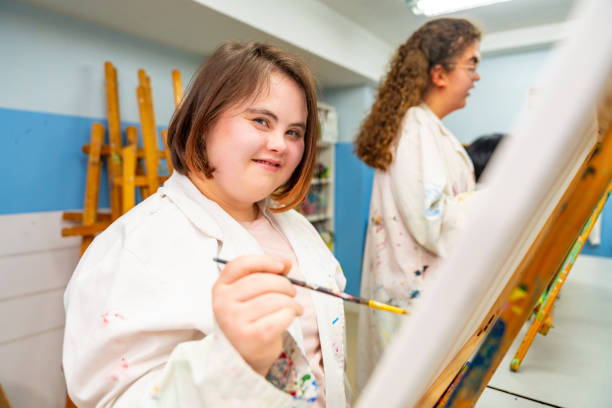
[(140, 330), (415, 207)]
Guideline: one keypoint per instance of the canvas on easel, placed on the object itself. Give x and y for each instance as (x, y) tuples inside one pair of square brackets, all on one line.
[(529, 175)]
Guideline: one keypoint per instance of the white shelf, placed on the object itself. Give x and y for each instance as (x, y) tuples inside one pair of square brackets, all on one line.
[(320, 199)]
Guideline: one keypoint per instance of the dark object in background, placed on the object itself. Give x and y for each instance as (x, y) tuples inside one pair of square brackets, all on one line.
[(481, 149)]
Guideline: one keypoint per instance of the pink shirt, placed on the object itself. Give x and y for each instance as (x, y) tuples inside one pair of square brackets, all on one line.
[(275, 244)]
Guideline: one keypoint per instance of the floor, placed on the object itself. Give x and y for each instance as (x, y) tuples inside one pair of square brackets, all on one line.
[(571, 367)]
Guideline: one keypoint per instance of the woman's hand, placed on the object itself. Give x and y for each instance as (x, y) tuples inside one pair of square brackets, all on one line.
[(254, 304)]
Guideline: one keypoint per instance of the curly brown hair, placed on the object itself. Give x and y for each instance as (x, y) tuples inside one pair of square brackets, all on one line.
[(437, 42)]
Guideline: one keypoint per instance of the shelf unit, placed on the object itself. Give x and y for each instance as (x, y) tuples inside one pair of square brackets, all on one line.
[(318, 206)]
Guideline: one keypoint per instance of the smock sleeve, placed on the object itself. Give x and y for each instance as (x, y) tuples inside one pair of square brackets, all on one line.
[(422, 190)]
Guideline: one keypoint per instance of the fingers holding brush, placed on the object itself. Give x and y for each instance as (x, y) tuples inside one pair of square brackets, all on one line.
[(254, 304)]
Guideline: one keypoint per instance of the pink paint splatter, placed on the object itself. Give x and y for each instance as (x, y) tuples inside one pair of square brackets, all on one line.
[(124, 364), (107, 317)]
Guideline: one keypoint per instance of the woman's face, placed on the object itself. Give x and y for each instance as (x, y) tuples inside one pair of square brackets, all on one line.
[(461, 77), (256, 146)]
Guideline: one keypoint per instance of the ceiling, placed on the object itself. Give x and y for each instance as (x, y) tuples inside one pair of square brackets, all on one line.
[(393, 21), (186, 25)]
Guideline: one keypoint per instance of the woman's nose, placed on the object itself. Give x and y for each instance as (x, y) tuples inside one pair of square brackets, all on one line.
[(276, 141)]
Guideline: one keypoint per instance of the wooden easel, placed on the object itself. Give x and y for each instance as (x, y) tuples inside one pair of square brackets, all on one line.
[(568, 222), (439, 393), (538, 268), (129, 167)]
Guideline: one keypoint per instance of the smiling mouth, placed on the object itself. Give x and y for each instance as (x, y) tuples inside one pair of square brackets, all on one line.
[(267, 163)]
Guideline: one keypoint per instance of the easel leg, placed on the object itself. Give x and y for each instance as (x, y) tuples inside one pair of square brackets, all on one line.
[(129, 173), (546, 309), (92, 188)]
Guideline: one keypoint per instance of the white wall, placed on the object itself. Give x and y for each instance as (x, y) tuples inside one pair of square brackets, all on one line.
[(55, 64), (35, 265), (498, 97)]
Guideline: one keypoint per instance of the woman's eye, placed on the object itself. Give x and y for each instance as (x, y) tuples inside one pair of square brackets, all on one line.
[(261, 121), (296, 134)]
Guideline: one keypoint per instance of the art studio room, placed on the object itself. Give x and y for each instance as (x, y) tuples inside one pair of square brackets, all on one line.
[(377, 203)]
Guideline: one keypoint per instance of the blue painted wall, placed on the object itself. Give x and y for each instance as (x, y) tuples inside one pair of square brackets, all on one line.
[(353, 181), (41, 162), (353, 190)]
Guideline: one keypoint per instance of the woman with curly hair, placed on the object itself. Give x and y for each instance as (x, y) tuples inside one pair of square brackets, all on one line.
[(421, 171)]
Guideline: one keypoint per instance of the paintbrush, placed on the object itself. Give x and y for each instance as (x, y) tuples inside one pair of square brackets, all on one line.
[(341, 295)]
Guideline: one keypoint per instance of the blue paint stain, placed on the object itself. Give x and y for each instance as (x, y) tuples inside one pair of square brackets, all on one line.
[(335, 320), (487, 352)]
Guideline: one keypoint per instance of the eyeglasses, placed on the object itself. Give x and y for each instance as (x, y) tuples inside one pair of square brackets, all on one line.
[(471, 68)]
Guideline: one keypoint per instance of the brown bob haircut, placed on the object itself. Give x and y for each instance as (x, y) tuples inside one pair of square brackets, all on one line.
[(238, 73)]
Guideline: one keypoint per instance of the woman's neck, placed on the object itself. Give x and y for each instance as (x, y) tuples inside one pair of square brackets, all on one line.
[(237, 210), (436, 103)]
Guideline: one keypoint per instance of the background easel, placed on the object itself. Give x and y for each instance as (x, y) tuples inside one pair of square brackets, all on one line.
[(129, 166)]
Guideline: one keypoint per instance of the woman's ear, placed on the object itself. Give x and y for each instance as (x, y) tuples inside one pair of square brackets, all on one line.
[(438, 76)]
